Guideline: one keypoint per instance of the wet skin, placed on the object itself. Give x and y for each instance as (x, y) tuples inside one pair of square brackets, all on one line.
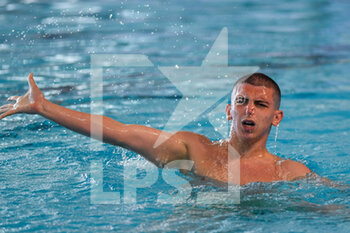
[(253, 111), (240, 159)]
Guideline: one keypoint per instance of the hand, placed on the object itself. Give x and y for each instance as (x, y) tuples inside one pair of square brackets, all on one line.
[(31, 102)]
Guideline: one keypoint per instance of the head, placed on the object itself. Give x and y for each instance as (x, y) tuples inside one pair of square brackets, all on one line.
[(254, 107)]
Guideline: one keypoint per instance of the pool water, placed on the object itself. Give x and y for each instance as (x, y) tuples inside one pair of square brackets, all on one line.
[(46, 181)]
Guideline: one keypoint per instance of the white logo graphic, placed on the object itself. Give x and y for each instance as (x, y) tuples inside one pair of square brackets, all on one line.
[(196, 85)]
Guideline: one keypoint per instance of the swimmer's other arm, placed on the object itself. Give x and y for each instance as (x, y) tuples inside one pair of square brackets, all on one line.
[(293, 170), (137, 138)]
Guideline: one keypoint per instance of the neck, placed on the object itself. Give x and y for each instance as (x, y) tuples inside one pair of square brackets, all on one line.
[(249, 148)]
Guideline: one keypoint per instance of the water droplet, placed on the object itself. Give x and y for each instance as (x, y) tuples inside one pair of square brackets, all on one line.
[(276, 135)]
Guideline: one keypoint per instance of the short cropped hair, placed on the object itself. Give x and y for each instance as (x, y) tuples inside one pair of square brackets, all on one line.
[(260, 79)]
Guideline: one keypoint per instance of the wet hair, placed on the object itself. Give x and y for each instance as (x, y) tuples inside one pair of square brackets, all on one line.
[(260, 79)]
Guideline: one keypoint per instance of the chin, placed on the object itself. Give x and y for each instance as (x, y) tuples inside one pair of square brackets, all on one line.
[(253, 135), (247, 136)]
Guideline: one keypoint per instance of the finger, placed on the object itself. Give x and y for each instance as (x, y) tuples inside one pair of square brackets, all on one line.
[(13, 98), (31, 81), (6, 106), (6, 114), (3, 110)]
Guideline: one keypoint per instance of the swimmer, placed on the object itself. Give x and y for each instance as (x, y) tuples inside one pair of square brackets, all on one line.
[(253, 110)]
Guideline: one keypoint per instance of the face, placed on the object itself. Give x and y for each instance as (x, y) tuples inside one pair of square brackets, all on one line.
[(253, 111)]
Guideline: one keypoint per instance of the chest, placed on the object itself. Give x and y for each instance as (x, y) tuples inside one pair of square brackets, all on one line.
[(220, 166)]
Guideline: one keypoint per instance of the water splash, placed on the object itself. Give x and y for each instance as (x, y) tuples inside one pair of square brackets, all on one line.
[(276, 135)]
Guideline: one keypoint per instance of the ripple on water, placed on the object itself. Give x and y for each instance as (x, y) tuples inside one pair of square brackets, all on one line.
[(45, 177), (63, 58)]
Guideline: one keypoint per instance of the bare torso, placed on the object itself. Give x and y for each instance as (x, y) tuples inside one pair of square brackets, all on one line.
[(212, 159)]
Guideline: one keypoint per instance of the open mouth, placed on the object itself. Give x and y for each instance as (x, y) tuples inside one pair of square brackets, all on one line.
[(248, 123)]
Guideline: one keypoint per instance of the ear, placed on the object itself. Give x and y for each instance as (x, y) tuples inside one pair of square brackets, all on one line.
[(228, 112), (277, 118)]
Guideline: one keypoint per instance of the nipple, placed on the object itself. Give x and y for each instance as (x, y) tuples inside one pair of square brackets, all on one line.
[(276, 135)]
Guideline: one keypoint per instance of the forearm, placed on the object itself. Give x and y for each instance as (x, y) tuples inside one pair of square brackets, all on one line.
[(137, 138), (84, 123)]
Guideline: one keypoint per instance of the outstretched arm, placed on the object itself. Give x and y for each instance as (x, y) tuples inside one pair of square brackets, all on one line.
[(138, 138)]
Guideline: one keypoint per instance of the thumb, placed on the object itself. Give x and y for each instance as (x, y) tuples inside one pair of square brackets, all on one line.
[(31, 81)]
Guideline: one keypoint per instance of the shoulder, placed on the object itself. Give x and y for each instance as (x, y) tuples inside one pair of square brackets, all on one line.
[(197, 145), (292, 170), (191, 137)]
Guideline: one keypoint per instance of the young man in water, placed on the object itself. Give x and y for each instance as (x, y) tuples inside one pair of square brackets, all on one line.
[(254, 109)]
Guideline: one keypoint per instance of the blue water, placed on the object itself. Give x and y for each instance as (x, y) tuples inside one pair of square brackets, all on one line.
[(45, 178)]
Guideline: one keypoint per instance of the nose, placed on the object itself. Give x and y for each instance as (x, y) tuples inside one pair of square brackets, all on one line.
[(250, 109)]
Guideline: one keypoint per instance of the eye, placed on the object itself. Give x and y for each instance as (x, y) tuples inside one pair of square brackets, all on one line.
[(262, 104), (240, 100)]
